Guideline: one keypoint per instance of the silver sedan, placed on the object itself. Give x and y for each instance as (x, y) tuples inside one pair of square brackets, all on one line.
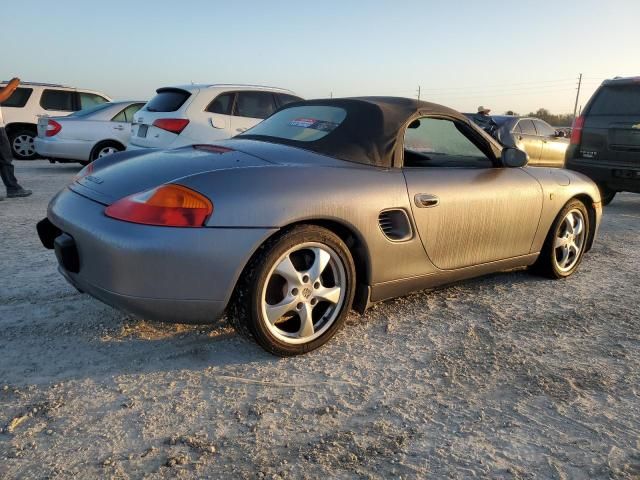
[(87, 134)]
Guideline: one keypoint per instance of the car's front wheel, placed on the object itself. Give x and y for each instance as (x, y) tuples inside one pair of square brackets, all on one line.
[(296, 292), (566, 242)]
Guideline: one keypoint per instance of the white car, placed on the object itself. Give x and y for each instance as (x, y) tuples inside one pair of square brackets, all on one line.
[(191, 114), (88, 134), (31, 100)]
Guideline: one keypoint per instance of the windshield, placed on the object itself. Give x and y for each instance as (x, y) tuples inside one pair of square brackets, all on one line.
[(90, 110), (301, 124)]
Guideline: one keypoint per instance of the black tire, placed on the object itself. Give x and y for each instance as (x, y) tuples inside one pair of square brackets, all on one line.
[(17, 140), (547, 264), (246, 313), (99, 147), (606, 194)]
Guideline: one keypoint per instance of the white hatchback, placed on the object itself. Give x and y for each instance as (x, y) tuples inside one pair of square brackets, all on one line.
[(191, 114)]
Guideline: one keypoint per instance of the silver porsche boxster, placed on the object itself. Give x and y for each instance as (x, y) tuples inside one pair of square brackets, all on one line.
[(325, 206)]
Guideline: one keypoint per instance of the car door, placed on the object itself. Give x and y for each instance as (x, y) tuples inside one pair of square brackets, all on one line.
[(120, 124), (251, 107), (553, 146), (467, 210), (527, 139)]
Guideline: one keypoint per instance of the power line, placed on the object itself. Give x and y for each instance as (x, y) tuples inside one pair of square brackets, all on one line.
[(502, 93), (501, 85)]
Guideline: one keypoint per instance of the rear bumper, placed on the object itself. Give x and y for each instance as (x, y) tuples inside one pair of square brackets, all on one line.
[(619, 177), (159, 309), (178, 142), (162, 273), (133, 146), (65, 149)]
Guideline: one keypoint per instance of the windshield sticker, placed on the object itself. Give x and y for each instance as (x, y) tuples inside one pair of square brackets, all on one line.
[(302, 122), (322, 125)]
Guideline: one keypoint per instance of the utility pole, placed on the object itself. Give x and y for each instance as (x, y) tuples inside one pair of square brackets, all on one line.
[(330, 94), (575, 108), (418, 92)]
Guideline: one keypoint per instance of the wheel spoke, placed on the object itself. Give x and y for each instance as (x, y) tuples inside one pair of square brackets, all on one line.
[(320, 262), (275, 312), (573, 248), (329, 294), (286, 270), (578, 227), (564, 250), (306, 321), (570, 224)]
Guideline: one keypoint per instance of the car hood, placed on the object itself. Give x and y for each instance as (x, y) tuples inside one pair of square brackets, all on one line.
[(121, 174)]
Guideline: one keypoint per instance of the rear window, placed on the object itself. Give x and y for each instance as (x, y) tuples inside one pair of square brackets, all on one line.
[(18, 98), (61, 100), (168, 100), (526, 127), (544, 129), (88, 111), (222, 104), (88, 100), (126, 115), (254, 104), (622, 100), (284, 99), (302, 124)]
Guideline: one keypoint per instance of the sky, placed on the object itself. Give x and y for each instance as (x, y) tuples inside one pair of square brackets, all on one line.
[(505, 55)]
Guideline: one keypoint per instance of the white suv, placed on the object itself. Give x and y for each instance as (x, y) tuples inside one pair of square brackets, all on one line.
[(190, 114), (31, 100)]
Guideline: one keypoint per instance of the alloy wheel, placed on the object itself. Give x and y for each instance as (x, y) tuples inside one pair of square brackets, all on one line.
[(569, 240), (303, 293)]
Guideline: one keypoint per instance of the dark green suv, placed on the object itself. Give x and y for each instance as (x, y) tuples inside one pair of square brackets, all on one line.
[(605, 140)]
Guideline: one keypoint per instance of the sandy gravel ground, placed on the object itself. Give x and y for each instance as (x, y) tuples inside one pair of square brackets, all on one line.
[(509, 376)]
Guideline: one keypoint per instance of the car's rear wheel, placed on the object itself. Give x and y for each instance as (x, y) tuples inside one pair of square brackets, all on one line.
[(566, 242), (103, 149), (296, 292), (23, 144), (606, 194)]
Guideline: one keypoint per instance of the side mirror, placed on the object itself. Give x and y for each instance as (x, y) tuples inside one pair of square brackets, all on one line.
[(514, 157), (561, 134)]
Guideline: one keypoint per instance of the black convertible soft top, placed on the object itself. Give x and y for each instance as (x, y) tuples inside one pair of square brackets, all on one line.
[(372, 131)]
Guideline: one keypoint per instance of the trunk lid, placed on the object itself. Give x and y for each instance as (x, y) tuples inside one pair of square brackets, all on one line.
[(119, 175)]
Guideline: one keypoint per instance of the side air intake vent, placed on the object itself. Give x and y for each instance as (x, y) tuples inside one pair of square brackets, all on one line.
[(395, 225)]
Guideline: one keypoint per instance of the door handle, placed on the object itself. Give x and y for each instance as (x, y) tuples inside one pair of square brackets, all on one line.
[(118, 127), (241, 130), (425, 200)]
